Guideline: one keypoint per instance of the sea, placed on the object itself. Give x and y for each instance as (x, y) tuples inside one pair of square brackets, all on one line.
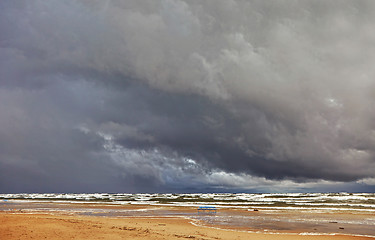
[(296, 213)]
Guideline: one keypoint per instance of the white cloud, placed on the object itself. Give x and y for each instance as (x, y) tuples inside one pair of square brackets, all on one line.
[(367, 181)]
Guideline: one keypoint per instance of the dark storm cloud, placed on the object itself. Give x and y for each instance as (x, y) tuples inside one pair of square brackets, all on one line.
[(159, 95)]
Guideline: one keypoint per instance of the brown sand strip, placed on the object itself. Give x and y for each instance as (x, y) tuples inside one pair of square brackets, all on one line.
[(43, 226)]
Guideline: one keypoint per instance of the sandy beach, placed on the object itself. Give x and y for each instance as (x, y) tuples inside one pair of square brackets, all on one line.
[(109, 216), (15, 225)]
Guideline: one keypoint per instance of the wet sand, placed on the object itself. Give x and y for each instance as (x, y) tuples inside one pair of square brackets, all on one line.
[(15, 225)]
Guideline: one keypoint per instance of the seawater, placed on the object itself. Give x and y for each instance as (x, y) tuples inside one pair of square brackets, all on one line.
[(310, 213)]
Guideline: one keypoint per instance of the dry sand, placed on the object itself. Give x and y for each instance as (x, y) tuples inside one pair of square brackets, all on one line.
[(15, 225)]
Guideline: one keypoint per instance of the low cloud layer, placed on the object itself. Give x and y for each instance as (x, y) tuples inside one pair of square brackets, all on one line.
[(170, 95)]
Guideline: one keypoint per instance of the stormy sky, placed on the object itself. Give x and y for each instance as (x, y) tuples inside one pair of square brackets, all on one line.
[(187, 96)]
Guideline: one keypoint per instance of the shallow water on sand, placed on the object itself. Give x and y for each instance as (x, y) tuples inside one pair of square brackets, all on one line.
[(296, 222)]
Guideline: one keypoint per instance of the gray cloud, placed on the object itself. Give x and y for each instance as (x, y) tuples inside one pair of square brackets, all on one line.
[(178, 95)]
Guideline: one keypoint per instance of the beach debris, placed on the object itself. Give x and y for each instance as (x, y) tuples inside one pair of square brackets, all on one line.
[(129, 228), (185, 236), (341, 228), (124, 228), (256, 210), (333, 222), (207, 209), (146, 231)]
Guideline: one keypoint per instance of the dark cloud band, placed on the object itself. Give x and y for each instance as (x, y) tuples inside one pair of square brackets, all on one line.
[(160, 95)]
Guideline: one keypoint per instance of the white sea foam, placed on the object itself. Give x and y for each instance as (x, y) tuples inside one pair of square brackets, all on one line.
[(325, 201)]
